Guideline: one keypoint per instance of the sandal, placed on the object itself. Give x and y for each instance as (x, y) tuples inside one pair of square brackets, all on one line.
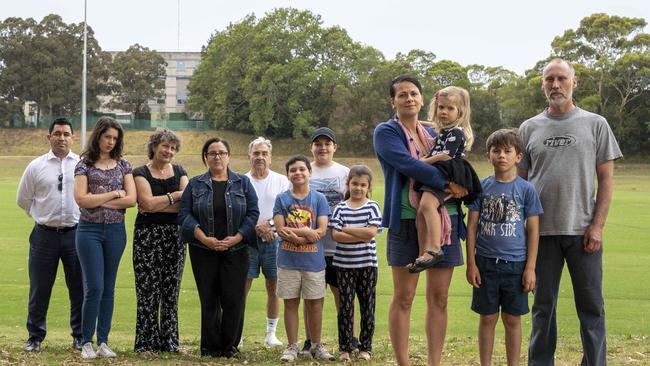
[(363, 356), (419, 266)]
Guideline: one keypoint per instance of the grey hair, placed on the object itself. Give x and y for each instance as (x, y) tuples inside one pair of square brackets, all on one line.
[(258, 141), (558, 60), (162, 134)]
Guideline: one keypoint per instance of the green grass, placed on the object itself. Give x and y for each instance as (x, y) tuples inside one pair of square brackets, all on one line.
[(627, 290)]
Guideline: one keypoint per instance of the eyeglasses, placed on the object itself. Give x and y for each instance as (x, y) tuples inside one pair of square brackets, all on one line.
[(220, 154), (60, 182)]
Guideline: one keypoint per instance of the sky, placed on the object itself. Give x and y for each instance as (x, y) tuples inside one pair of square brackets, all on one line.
[(509, 33)]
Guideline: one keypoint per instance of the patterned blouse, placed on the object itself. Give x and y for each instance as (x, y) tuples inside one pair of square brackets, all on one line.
[(102, 181), (451, 142)]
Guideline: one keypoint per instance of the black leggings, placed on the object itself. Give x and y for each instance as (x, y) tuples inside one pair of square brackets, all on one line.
[(362, 282)]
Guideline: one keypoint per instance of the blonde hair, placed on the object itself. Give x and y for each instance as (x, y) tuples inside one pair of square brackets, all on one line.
[(460, 98)]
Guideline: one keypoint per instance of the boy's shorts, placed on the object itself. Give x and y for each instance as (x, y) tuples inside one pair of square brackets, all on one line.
[(330, 272), (500, 287), (263, 255), (293, 283)]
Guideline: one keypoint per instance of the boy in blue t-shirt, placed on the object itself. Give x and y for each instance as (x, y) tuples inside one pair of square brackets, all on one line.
[(503, 234), (300, 216)]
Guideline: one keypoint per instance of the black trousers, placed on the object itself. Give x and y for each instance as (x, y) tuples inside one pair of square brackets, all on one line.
[(220, 280), (46, 248)]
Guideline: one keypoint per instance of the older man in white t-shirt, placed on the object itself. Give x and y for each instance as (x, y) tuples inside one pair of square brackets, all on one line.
[(263, 255)]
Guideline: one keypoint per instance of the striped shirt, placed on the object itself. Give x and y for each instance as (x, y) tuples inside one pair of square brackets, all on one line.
[(356, 255)]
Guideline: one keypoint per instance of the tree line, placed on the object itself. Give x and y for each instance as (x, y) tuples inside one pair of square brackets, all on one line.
[(284, 74), (41, 62)]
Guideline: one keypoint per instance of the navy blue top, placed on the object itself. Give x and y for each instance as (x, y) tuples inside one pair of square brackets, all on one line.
[(398, 165)]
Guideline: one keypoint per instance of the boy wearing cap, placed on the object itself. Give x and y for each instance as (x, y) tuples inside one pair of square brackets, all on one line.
[(328, 177)]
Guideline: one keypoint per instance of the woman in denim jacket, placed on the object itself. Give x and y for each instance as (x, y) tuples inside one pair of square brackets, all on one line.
[(217, 216)]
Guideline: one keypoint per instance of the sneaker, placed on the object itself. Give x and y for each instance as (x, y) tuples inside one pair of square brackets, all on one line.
[(306, 349), (104, 351), (241, 342), (32, 345), (87, 350), (271, 340), (319, 352), (77, 343), (290, 353)]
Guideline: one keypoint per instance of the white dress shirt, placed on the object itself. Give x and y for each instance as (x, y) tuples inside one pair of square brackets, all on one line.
[(39, 195)]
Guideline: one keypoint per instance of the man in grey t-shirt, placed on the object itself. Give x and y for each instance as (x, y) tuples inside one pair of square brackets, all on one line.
[(565, 147)]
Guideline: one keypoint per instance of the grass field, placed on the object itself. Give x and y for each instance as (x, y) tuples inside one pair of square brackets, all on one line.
[(627, 288)]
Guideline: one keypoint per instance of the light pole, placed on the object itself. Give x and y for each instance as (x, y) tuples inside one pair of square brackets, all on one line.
[(83, 84)]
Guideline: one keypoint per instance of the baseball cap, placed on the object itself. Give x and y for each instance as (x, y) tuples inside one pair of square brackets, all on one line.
[(323, 131)]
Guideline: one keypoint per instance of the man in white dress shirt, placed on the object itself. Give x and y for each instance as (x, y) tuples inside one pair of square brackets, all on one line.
[(46, 193)]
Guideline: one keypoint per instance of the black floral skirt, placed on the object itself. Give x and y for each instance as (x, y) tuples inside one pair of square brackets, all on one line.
[(158, 262)]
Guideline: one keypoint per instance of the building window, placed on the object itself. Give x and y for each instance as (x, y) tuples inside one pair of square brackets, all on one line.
[(180, 65)]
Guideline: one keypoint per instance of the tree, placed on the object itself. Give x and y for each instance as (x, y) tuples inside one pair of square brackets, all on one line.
[(41, 62), (612, 57), (277, 75), (139, 75)]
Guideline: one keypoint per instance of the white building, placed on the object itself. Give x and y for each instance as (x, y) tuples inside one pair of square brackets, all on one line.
[(180, 68)]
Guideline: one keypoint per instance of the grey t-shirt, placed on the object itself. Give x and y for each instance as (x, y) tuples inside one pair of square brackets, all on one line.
[(561, 154)]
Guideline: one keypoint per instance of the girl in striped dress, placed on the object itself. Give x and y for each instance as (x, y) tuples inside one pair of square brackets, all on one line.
[(354, 223)]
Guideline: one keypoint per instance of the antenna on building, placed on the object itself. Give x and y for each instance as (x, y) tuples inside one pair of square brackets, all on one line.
[(178, 47)]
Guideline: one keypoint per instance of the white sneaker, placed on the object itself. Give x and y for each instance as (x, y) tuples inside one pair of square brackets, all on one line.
[(319, 352), (290, 353), (271, 340), (87, 350), (104, 351)]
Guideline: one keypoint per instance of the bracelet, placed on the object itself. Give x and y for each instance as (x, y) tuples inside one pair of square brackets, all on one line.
[(170, 198)]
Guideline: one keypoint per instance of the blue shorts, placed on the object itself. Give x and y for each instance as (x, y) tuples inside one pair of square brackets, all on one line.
[(402, 247), (500, 287), (263, 255)]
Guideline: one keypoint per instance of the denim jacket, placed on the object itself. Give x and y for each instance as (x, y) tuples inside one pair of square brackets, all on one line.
[(241, 209)]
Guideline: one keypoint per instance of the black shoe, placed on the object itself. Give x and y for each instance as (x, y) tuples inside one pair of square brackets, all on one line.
[(232, 353), (354, 344), (307, 346), (32, 345), (77, 343), (421, 265)]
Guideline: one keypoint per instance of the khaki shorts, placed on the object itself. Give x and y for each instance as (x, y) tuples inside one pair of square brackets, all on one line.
[(293, 283)]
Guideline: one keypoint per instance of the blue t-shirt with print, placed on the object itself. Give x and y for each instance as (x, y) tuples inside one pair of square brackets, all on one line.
[(299, 213), (503, 208)]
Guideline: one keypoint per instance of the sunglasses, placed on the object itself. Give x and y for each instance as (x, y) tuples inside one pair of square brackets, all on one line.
[(60, 182)]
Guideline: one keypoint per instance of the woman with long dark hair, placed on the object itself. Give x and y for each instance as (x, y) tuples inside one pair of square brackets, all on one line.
[(104, 189)]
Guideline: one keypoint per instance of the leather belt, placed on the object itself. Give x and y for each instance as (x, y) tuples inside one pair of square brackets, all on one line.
[(60, 229)]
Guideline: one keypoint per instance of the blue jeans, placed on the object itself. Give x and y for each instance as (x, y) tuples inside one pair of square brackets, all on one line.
[(100, 248), (586, 270), (45, 250)]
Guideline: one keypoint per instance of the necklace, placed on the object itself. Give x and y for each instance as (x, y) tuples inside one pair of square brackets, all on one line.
[(162, 171)]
